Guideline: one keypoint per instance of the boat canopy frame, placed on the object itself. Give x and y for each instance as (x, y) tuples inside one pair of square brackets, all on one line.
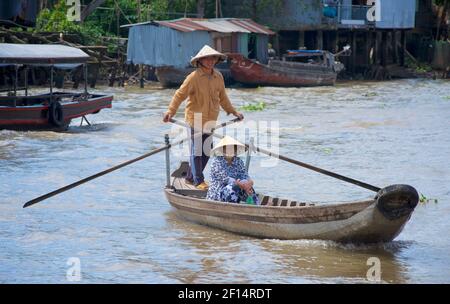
[(42, 55)]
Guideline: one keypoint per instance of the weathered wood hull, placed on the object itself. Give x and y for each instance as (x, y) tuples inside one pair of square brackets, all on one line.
[(356, 222), (278, 73), (36, 116), (171, 77)]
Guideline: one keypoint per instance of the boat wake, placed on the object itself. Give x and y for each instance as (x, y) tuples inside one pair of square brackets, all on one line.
[(393, 246)]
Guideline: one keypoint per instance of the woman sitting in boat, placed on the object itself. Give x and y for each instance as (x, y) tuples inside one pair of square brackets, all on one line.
[(229, 179)]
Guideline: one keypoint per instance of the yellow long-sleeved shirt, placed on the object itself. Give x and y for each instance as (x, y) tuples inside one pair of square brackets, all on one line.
[(205, 93)]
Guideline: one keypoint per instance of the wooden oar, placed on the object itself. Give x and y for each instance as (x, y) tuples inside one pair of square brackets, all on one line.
[(85, 180), (298, 163), (319, 170)]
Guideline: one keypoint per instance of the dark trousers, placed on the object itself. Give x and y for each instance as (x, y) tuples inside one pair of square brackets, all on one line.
[(198, 158)]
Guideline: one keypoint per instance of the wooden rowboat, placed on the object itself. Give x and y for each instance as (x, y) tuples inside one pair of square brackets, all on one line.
[(379, 219), (171, 77), (285, 73)]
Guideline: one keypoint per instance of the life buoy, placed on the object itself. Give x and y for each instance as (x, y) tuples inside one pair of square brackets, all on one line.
[(55, 114)]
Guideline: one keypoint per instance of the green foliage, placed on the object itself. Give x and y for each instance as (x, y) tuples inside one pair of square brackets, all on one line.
[(55, 20), (439, 2), (423, 68), (254, 107), (271, 5), (419, 67), (424, 200), (104, 20)]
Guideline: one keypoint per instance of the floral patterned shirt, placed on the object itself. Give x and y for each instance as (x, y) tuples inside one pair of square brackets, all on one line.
[(223, 174)]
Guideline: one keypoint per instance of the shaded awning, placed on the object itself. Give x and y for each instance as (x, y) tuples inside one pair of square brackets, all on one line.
[(40, 54)]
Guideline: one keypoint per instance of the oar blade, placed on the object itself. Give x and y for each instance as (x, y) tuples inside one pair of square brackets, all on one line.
[(32, 202)]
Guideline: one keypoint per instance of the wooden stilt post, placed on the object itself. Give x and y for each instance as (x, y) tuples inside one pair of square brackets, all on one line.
[(368, 48), (94, 75), (141, 76), (26, 80), (394, 46), (332, 43), (403, 47), (377, 56), (319, 40), (301, 39), (336, 43), (354, 52), (384, 48)]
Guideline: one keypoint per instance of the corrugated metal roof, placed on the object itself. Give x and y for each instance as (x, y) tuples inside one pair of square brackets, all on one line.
[(251, 26), (222, 25)]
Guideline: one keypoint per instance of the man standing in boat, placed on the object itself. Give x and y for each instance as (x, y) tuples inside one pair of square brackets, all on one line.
[(205, 90)]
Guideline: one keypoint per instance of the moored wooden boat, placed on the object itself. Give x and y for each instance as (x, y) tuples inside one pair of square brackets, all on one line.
[(171, 77), (286, 73), (53, 110), (367, 221), (39, 112)]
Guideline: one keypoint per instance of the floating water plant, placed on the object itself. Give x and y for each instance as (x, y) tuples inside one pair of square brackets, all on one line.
[(371, 94), (328, 150), (424, 200), (254, 107)]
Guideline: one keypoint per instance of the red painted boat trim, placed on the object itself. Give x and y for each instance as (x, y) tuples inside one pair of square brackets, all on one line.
[(94, 104)]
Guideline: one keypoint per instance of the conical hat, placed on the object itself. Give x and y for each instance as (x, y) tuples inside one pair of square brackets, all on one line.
[(207, 51), (227, 141)]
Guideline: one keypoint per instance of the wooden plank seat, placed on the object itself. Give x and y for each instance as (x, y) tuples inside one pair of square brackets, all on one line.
[(275, 201)]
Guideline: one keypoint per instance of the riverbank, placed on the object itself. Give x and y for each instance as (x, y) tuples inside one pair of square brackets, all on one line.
[(395, 75)]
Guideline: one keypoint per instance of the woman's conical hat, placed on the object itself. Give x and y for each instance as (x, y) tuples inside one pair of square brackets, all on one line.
[(227, 141), (207, 51)]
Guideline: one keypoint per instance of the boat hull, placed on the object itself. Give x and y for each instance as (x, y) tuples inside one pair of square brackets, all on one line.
[(357, 222), (171, 77), (36, 116), (280, 73)]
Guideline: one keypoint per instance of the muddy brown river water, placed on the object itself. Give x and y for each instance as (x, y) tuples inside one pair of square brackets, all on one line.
[(121, 229)]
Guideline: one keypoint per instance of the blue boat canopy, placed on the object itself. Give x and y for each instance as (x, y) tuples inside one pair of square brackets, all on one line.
[(41, 54)]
